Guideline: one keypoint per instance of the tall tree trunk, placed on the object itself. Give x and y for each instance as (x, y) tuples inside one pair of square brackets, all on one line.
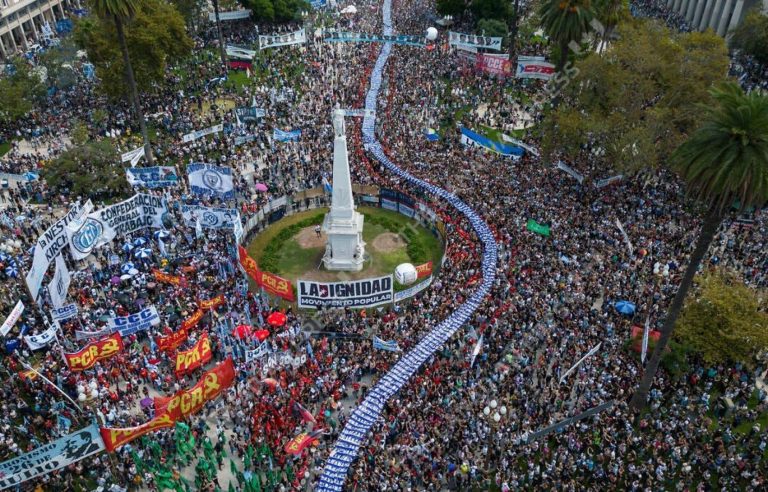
[(134, 92), (513, 28), (708, 230), (563, 57), (222, 48)]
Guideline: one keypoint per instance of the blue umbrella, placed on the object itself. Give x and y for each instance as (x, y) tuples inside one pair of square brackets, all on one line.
[(127, 267), (142, 253), (127, 247), (3, 256), (12, 271), (625, 307), (162, 234), (139, 241)]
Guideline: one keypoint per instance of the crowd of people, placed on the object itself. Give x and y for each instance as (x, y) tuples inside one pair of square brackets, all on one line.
[(552, 301)]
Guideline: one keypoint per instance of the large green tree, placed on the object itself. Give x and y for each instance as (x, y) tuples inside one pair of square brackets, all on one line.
[(20, 90), (724, 162), (451, 7), (277, 10), (565, 21), (724, 320), (89, 169), (637, 101), (609, 13), (751, 36)]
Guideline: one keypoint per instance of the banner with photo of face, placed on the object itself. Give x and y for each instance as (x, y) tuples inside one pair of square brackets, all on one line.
[(273, 40), (362, 293), (152, 177), (474, 41), (210, 180), (210, 217), (101, 227)]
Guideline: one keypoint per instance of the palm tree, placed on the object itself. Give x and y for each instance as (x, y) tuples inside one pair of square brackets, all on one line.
[(565, 21), (222, 48), (725, 162), (120, 11)]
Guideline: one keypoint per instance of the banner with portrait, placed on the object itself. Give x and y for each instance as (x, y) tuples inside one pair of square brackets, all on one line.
[(474, 41), (210, 180), (179, 406), (274, 40), (210, 217)]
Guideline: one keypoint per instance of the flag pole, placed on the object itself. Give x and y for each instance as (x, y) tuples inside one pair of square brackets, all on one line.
[(30, 368)]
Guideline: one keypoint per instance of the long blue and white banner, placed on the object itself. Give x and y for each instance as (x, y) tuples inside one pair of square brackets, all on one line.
[(210, 180), (210, 217), (470, 139), (283, 136), (364, 415), (412, 291), (248, 113), (361, 37), (228, 16), (388, 345), (190, 137), (152, 177), (51, 457)]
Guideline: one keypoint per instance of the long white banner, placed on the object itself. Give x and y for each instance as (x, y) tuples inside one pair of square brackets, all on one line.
[(460, 39), (355, 293), (189, 137), (227, 16), (59, 285), (101, 227), (133, 156), (272, 40), (210, 217), (50, 244), (52, 456), (126, 325), (12, 318)]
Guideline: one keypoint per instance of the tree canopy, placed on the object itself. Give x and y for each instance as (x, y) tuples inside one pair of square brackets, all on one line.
[(639, 99), (20, 90), (155, 36), (276, 10), (91, 169), (724, 321), (751, 36)]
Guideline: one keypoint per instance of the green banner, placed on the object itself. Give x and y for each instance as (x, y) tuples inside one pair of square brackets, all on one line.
[(534, 226)]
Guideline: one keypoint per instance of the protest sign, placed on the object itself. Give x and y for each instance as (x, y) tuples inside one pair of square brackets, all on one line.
[(356, 293)]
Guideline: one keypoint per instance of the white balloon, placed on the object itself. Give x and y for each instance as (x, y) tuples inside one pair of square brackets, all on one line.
[(431, 33), (94, 394), (81, 397), (496, 417)]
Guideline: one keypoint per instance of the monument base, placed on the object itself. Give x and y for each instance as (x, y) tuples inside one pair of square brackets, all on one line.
[(345, 250)]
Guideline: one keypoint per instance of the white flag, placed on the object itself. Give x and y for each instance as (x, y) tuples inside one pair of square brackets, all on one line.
[(476, 351)]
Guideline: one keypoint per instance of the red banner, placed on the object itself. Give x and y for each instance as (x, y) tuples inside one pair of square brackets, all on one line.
[(424, 270), (270, 282), (192, 321), (94, 352), (179, 406), (172, 341), (296, 445), (169, 279), (191, 359), (211, 303), (494, 64)]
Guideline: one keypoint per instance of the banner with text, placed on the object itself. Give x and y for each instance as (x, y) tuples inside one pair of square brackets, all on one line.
[(362, 293), (125, 325), (274, 40), (36, 342), (191, 137), (534, 67), (94, 352), (172, 341), (210, 180), (152, 177), (65, 312), (493, 64), (361, 37), (12, 318), (179, 406), (228, 16), (473, 41), (101, 227), (471, 139), (210, 217), (191, 359)]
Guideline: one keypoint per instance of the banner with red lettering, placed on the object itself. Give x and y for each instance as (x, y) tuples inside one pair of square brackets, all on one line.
[(169, 279), (177, 407), (94, 352), (270, 282), (191, 359), (172, 341), (424, 270), (211, 303), (296, 445), (493, 64)]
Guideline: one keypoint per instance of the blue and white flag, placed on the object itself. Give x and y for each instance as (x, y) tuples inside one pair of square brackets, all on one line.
[(476, 350), (281, 136), (431, 135), (470, 138), (327, 186), (390, 346), (210, 180)]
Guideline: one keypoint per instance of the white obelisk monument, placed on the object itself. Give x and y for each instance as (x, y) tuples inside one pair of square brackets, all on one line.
[(345, 249)]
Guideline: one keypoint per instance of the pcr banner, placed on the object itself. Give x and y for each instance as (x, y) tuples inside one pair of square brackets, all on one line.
[(210, 217), (424, 270), (177, 407), (195, 357), (210, 180), (471, 40), (172, 341), (164, 278), (94, 352), (274, 40), (192, 321), (52, 456), (211, 303), (270, 282), (101, 227), (362, 293), (152, 177)]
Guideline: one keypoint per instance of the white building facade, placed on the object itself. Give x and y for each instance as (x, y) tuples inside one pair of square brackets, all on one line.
[(720, 15), (22, 22)]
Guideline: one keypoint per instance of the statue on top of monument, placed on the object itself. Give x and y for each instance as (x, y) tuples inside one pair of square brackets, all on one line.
[(338, 121)]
